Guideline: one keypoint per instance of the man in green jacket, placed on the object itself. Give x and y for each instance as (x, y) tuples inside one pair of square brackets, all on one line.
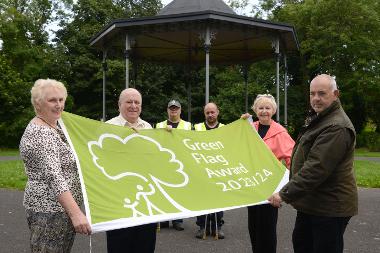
[(322, 186)]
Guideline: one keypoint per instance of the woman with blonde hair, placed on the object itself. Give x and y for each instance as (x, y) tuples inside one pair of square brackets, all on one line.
[(52, 193), (262, 219)]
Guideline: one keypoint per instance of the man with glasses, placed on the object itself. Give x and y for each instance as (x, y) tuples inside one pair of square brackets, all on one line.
[(174, 121)]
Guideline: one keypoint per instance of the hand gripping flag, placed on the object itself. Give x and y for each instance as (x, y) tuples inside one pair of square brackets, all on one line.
[(130, 178)]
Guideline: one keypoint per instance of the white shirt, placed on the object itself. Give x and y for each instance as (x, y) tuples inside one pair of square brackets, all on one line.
[(120, 121)]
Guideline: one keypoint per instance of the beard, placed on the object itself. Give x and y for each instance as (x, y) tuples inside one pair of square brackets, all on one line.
[(211, 120)]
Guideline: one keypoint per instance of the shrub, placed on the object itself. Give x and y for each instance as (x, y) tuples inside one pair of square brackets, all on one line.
[(370, 140)]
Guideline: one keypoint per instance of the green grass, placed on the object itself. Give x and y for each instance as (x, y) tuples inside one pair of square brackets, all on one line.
[(367, 173), (12, 174), (9, 152), (365, 153)]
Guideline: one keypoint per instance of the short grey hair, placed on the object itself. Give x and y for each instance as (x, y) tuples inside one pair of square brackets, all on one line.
[(128, 90), (270, 99), (331, 80), (38, 90), (333, 84)]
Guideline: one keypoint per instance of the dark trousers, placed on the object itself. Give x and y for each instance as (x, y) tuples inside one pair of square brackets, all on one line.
[(139, 239), (319, 234), (262, 226), (201, 221), (178, 221), (165, 224)]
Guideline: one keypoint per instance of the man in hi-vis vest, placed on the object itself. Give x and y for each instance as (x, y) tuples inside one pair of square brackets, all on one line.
[(174, 117), (207, 223), (174, 121)]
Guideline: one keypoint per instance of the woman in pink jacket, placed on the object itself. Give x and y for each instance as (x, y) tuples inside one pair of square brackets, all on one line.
[(262, 219)]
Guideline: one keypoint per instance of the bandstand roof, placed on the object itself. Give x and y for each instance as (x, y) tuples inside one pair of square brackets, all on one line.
[(176, 35)]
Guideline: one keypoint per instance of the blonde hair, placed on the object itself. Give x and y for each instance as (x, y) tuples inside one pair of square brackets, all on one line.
[(38, 90), (268, 97)]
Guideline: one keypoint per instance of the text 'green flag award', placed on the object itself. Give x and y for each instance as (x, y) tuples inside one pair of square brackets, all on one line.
[(131, 178)]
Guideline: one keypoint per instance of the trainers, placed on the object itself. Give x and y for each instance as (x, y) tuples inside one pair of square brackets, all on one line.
[(178, 226), (220, 234), (200, 233)]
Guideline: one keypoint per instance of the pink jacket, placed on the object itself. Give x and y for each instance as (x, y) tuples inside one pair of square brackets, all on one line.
[(279, 141)]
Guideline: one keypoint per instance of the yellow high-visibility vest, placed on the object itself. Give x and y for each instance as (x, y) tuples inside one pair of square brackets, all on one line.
[(202, 126), (182, 125)]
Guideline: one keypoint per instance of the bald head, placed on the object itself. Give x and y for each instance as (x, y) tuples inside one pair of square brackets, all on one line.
[(326, 79), (129, 92), (323, 92), (130, 101), (211, 112)]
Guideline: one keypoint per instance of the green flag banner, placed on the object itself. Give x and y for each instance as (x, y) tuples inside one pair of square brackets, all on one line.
[(131, 178)]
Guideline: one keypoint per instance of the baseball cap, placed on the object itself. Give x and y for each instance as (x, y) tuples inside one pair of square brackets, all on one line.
[(174, 103)]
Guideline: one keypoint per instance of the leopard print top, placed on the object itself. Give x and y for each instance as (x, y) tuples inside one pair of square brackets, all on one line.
[(50, 167)]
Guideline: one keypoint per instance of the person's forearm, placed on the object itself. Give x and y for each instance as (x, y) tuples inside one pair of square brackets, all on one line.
[(72, 209), (68, 203)]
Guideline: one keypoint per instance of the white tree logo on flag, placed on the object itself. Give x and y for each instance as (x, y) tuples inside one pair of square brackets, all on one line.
[(143, 184)]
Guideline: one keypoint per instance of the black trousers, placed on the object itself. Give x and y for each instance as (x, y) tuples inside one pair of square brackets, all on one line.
[(201, 221), (319, 234), (262, 226), (139, 239)]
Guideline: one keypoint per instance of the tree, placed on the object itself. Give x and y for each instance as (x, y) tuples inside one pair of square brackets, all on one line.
[(237, 5), (339, 37), (25, 41), (15, 105), (24, 55), (84, 77)]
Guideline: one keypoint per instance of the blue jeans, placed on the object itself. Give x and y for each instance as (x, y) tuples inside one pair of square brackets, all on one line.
[(319, 234)]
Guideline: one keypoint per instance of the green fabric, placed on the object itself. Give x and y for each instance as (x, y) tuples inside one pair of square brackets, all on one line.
[(133, 178)]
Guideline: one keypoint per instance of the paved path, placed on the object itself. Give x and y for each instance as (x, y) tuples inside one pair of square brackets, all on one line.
[(364, 158), (9, 158), (362, 234)]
